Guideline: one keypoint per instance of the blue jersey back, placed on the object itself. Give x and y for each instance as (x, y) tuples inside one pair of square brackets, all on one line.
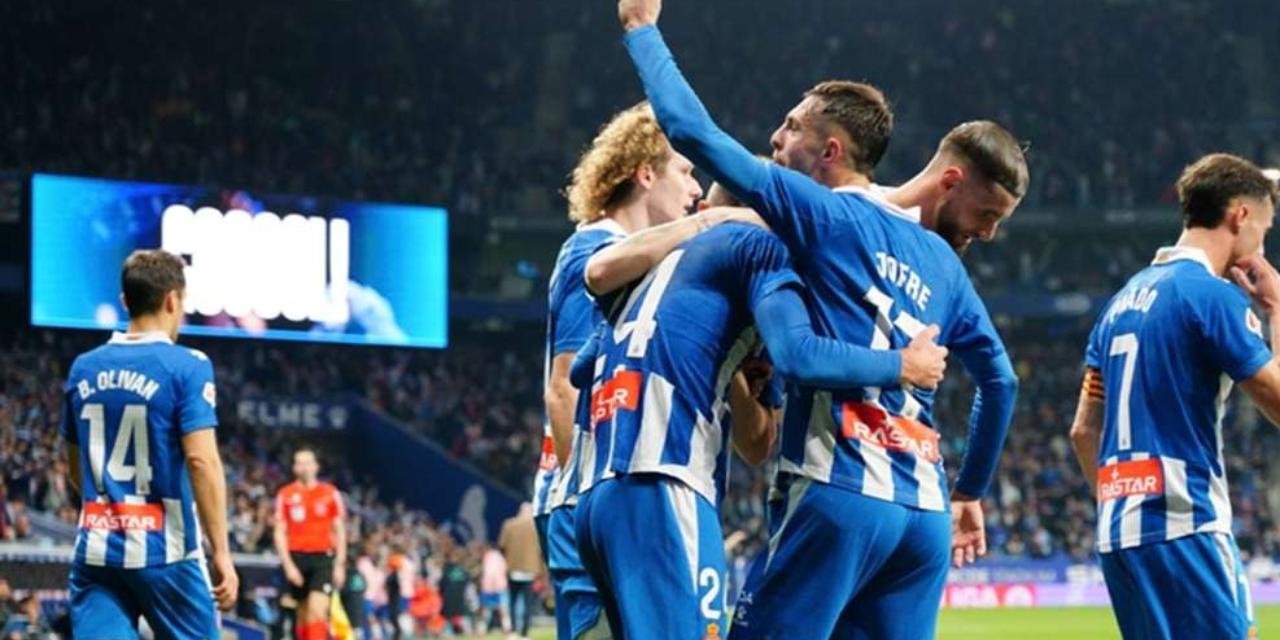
[(659, 403), (128, 405), (1168, 346), (878, 278), (571, 317)]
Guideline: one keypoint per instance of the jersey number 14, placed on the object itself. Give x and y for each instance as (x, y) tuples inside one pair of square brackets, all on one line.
[(132, 433)]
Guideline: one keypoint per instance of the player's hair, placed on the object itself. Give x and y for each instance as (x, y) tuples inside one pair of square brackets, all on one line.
[(602, 179), (991, 150), (148, 276), (863, 113), (718, 196), (1208, 186), (305, 449)]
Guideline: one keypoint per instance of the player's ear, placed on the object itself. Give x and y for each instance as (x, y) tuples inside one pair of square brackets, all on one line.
[(173, 302), (1237, 214), (645, 176), (124, 304), (833, 150), (951, 177)]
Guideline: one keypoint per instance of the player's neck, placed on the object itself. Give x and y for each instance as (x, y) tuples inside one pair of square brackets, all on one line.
[(632, 216), (147, 324), (836, 176), (1212, 242), (920, 191), (309, 483)]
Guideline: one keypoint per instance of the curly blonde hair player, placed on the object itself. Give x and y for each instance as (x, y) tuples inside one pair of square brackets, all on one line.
[(603, 178)]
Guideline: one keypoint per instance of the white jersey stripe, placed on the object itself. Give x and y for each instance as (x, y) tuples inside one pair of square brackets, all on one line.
[(820, 442), (652, 438), (685, 506), (95, 549), (135, 541), (877, 471), (175, 530), (929, 485), (1105, 517), (1179, 510)]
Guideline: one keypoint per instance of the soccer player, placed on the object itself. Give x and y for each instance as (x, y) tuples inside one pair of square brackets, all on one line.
[(658, 419), (139, 424), (860, 469), (1159, 366), (628, 179), (311, 540)]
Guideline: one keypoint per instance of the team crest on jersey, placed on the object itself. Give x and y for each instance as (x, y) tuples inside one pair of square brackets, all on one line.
[(210, 394), (1252, 321)]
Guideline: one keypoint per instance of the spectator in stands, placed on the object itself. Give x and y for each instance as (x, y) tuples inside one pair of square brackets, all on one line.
[(493, 591), (518, 541)]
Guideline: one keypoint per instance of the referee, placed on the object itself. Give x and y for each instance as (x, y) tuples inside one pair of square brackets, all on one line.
[(311, 538)]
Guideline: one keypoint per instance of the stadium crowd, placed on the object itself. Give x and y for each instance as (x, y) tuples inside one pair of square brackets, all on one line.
[(352, 100)]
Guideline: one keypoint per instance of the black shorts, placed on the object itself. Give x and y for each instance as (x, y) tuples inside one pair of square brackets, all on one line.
[(317, 574)]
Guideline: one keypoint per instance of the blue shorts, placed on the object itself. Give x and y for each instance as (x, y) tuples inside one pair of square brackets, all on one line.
[(175, 599), (493, 600), (843, 565), (656, 552), (1192, 587), (578, 610)]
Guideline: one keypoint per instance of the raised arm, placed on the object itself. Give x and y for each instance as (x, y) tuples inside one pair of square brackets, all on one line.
[(792, 204)]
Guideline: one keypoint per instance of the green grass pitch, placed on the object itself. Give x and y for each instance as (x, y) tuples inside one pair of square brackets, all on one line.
[(1091, 623)]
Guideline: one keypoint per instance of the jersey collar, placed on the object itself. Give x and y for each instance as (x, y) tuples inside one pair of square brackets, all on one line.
[(878, 194), (1165, 255), (604, 224), (148, 337)]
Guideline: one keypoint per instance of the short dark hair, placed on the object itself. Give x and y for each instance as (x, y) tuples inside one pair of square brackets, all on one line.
[(862, 111), (992, 151), (148, 276), (1208, 186)]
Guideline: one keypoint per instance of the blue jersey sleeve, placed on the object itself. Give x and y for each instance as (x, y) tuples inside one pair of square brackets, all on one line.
[(975, 342), (773, 292), (583, 371), (197, 399), (795, 206), (1232, 332), (1092, 354)]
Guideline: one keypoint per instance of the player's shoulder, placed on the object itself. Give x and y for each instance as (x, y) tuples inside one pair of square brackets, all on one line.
[(588, 237), (288, 489)]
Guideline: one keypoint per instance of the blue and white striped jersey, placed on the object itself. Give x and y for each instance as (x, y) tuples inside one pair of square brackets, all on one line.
[(128, 404), (1168, 347), (571, 317), (659, 401)]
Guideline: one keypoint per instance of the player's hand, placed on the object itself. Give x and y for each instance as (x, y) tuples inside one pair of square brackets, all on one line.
[(638, 13), (292, 574), (226, 584), (923, 361), (968, 531), (1260, 280), (339, 576), (758, 372)]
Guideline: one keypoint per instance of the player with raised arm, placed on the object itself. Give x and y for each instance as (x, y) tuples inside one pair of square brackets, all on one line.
[(139, 423), (1159, 366), (659, 406), (628, 179), (860, 469)]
